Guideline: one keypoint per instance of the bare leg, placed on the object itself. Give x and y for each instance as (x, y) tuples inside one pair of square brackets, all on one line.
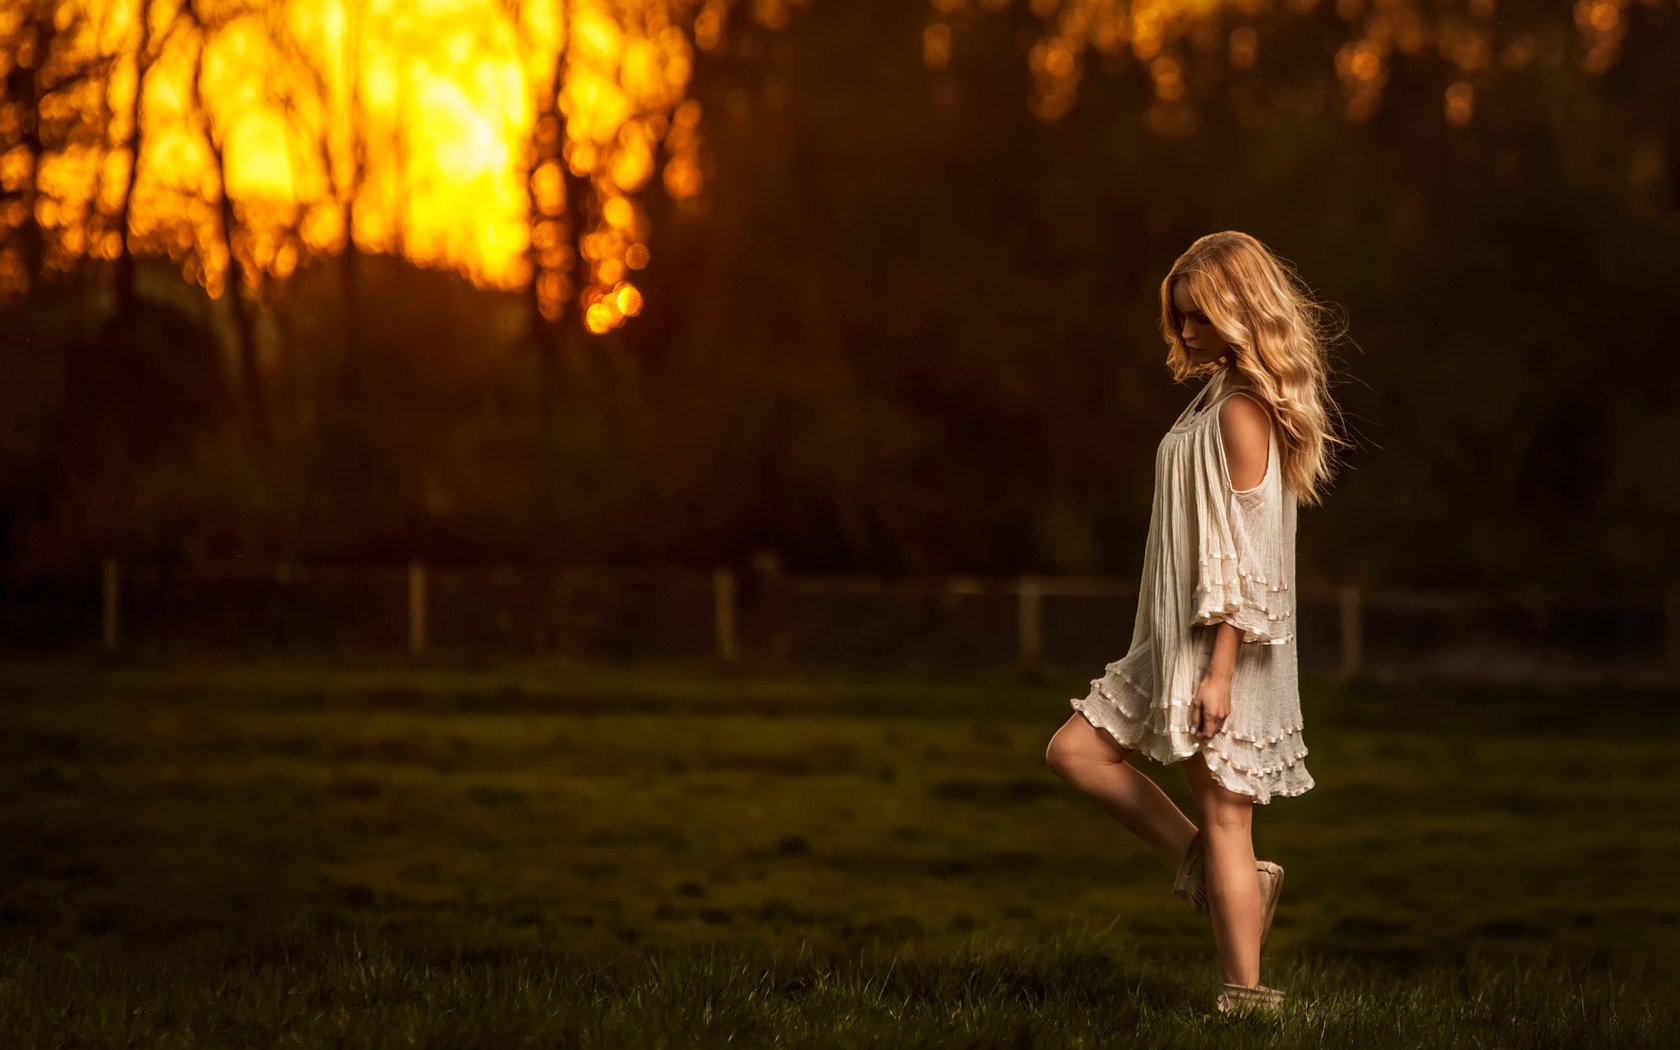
[(1095, 763), (1233, 891)]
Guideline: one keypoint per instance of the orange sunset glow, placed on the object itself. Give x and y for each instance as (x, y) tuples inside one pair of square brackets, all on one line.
[(423, 120), (1164, 36), (514, 140)]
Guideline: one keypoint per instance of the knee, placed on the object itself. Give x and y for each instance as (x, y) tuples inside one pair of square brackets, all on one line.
[(1062, 756), (1221, 815)]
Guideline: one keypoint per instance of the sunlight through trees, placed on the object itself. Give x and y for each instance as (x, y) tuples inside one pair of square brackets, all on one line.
[(506, 138)]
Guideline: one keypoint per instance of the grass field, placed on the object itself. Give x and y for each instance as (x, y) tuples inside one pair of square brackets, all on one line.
[(554, 855)]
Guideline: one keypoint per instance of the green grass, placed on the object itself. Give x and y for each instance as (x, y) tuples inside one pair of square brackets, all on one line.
[(556, 855)]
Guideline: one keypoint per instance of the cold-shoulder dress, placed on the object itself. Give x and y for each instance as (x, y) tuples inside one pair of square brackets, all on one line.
[(1214, 553)]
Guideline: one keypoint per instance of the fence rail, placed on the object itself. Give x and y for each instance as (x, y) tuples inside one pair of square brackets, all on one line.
[(1029, 621)]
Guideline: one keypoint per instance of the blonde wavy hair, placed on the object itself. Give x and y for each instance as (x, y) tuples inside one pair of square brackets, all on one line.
[(1279, 335)]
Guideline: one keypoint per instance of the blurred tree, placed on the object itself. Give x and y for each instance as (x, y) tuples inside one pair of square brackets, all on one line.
[(53, 81), (145, 53), (208, 26), (322, 98), (896, 320)]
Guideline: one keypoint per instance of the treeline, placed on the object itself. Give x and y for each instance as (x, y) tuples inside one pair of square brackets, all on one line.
[(909, 324)]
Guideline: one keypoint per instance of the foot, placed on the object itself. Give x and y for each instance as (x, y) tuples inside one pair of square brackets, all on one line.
[(1244, 999), (1271, 888), (1189, 884)]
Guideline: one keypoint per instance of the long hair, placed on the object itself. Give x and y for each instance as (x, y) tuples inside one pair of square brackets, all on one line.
[(1278, 335)]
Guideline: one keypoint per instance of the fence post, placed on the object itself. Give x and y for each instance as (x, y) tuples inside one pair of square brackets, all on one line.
[(723, 615), (1674, 630), (416, 608), (111, 606), (1029, 621), (1353, 656)]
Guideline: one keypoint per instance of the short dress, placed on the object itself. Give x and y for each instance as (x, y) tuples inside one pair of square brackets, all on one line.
[(1214, 553)]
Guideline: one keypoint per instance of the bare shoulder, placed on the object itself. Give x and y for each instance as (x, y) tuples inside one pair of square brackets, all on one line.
[(1245, 428)]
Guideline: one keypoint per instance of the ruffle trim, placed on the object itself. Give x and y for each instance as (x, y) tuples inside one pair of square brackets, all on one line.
[(1263, 769), (1115, 673), (1228, 593)]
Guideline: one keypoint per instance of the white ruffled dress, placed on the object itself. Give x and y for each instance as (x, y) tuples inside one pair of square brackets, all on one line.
[(1214, 553)]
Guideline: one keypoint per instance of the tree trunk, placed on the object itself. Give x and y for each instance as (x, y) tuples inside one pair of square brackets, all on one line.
[(350, 374), (31, 249), (125, 277), (349, 284), (251, 383)]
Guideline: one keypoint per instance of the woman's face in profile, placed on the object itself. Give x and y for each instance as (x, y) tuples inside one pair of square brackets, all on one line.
[(1201, 342)]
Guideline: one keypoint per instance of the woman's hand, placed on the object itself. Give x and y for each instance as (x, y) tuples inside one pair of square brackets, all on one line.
[(1211, 705)]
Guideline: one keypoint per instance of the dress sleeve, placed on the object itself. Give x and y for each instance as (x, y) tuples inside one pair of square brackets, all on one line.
[(1242, 573)]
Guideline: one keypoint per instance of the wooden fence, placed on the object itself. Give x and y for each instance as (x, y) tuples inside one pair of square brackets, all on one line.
[(1027, 621)]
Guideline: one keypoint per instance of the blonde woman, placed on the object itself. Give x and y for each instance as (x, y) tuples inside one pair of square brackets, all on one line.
[(1210, 675)]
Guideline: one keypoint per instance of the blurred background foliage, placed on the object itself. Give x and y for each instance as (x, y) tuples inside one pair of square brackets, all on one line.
[(872, 285)]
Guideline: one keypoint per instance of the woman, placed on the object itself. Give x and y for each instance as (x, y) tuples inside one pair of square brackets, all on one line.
[(1211, 671)]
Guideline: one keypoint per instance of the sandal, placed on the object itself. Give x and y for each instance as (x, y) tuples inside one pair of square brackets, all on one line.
[(1189, 884), (1243, 999), (1271, 888)]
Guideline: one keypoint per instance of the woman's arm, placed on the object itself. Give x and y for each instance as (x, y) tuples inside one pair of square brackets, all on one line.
[(1223, 663), (1211, 705), (1245, 429)]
